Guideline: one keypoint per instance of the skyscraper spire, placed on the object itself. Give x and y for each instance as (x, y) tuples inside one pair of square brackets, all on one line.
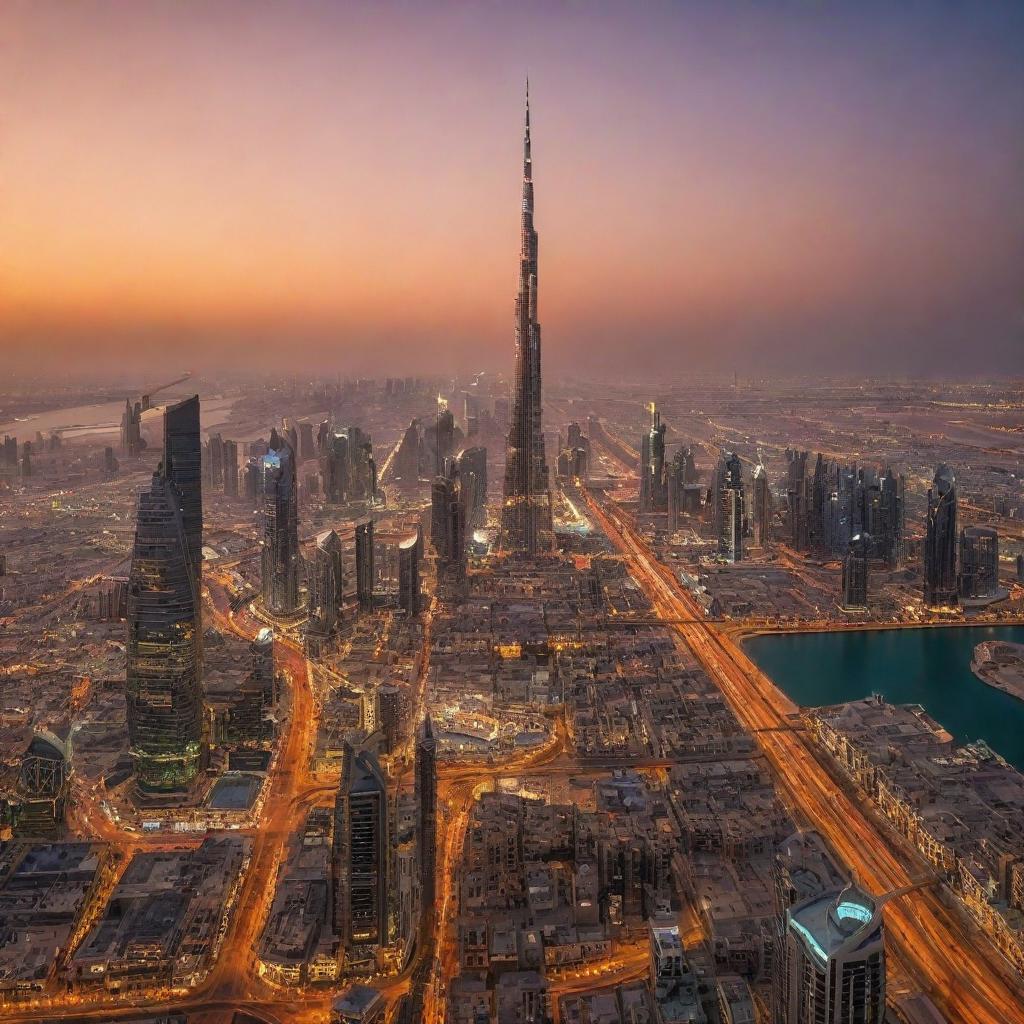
[(526, 514)]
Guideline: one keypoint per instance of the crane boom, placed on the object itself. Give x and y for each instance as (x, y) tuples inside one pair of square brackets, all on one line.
[(147, 397)]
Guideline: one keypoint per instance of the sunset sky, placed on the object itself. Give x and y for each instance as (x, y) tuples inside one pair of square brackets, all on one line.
[(833, 186)]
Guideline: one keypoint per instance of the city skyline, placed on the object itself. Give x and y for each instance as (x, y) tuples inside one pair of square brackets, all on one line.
[(738, 185)]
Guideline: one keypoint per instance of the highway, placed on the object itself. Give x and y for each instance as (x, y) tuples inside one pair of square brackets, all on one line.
[(957, 966)]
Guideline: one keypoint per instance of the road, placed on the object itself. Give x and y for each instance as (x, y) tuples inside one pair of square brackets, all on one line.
[(957, 966)]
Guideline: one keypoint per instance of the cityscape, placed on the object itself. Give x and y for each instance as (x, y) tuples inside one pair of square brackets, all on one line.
[(514, 693)]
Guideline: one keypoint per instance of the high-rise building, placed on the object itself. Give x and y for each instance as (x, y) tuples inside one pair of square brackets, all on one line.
[(263, 666), (280, 560), (231, 469), (365, 571), (798, 499), (762, 502), (473, 476), (389, 715), (940, 541), (426, 811), (215, 451), (183, 466), (834, 960), (164, 665), (409, 575), (526, 520), (132, 441), (326, 584), (730, 507), (448, 525), (855, 572), (653, 481), (361, 852), (890, 530), (979, 562)]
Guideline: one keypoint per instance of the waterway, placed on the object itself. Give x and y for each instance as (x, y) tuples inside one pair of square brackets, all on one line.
[(930, 667)]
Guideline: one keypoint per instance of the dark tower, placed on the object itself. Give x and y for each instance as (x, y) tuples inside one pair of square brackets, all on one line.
[(653, 482), (183, 465), (280, 565), (164, 683), (940, 541), (855, 572), (426, 810), (364, 565), (526, 523)]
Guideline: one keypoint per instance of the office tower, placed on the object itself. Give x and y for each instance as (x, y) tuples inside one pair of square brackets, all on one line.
[(940, 541), (326, 586), (653, 482), (252, 480), (280, 562), (231, 469), (834, 960), (441, 437), (891, 530), (448, 525), (132, 441), (164, 683), (263, 669), (409, 576), (797, 499), (526, 523), (855, 572), (473, 475), (26, 460), (307, 445), (365, 573), (389, 715), (110, 463), (762, 501), (213, 461), (730, 507), (426, 811), (183, 466), (361, 852), (979, 562), (1020, 568)]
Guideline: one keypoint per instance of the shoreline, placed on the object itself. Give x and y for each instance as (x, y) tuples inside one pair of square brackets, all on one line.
[(744, 633), (985, 666)]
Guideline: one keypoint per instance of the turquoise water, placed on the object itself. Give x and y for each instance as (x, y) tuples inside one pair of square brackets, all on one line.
[(931, 667)]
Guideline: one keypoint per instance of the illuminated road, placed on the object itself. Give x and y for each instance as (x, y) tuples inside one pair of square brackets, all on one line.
[(951, 961)]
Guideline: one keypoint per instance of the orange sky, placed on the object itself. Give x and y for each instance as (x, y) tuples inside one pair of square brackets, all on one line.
[(316, 179)]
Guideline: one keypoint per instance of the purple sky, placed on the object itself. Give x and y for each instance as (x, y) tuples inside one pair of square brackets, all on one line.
[(816, 186)]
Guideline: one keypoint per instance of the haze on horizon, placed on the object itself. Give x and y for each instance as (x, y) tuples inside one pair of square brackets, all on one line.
[(786, 185)]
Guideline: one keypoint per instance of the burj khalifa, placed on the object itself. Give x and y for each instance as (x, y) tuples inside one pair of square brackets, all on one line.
[(526, 524)]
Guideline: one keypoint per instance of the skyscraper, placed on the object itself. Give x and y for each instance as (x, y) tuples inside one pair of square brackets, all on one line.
[(183, 466), (855, 572), (730, 507), (409, 575), (941, 540), (762, 507), (164, 682), (653, 482), (473, 474), (280, 564), (426, 811), (361, 852), (979, 562), (448, 525), (326, 582), (365, 573), (834, 960), (231, 469), (526, 523)]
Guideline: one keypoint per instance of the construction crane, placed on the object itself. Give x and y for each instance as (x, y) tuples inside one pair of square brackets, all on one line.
[(146, 398)]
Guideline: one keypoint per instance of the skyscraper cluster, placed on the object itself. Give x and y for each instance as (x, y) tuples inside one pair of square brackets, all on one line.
[(164, 650), (832, 503), (526, 517), (347, 468), (220, 465)]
